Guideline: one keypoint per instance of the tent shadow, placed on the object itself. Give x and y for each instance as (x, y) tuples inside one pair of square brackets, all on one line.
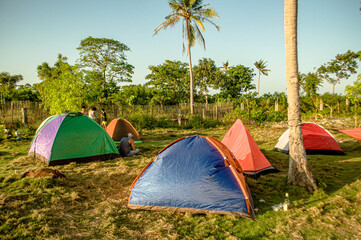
[(331, 172)]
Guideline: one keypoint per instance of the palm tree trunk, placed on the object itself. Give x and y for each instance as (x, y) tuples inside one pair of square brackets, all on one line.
[(299, 173), (259, 76), (333, 88), (191, 77)]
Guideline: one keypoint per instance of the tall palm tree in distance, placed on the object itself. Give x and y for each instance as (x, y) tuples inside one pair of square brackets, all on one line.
[(193, 13), (261, 66)]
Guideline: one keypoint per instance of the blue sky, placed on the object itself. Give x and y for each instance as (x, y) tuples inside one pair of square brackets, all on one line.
[(35, 31)]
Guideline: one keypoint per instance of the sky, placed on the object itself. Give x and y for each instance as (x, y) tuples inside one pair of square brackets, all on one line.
[(36, 31)]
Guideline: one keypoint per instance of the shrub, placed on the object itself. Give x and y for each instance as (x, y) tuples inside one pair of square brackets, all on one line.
[(197, 121), (143, 121), (258, 116), (276, 116)]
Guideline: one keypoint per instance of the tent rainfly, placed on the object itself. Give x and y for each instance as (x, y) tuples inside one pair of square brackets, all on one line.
[(71, 137), (316, 140), (353, 132), (119, 128), (193, 174), (246, 151)]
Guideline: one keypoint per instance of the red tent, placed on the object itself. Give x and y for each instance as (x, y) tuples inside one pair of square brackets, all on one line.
[(246, 151), (316, 140), (353, 132)]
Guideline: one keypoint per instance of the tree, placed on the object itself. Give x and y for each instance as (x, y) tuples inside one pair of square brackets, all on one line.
[(169, 81), (238, 80), (62, 88), (299, 173), (353, 92), (261, 66), (225, 67), (8, 84), (205, 74), (310, 83), (339, 68), (107, 58), (135, 95), (193, 13)]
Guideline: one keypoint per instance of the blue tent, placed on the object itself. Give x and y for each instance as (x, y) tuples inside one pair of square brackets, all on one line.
[(193, 174)]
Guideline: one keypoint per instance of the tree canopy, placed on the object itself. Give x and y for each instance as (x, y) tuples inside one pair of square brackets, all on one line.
[(238, 81), (62, 88), (169, 82), (339, 68)]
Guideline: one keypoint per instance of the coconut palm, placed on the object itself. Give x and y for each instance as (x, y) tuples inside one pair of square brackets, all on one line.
[(193, 13), (261, 66), (299, 173)]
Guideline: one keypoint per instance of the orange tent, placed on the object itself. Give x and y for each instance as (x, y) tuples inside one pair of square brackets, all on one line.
[(119, 128), (246, 151), (353, 132)]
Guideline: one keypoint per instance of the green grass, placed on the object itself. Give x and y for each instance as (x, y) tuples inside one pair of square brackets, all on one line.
[(91, 202)]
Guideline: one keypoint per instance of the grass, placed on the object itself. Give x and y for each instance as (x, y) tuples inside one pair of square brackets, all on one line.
[(91, 202)]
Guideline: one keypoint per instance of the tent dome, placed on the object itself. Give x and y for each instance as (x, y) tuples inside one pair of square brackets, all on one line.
[(193, 174), (119, 128), (69, 137), (316, 140), (246, 151)]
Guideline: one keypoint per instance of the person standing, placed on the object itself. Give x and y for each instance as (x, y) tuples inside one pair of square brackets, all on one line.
[(92, 113), (83, 110), (103, 118)]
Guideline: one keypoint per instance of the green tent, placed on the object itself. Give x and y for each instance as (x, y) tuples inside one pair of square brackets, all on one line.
[(71, 137)]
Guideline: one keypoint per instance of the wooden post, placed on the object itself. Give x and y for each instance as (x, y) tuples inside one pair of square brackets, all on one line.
[(347, 104), (12, 112), (24, 116), (321, 104), (179, 116), (204, 113), (276, 105), (242, 106), (216, 111), (338, 107)]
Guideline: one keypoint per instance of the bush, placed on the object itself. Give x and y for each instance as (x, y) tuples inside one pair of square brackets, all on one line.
[(276, 116), (258, 116), (197, 121), (143, 121)]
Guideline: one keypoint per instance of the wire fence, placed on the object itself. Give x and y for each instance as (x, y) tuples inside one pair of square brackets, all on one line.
[(31, 113)]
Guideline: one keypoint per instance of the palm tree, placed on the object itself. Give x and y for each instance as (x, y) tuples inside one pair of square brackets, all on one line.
[(225, 67), (193, 13), (299, 173), (261, 66)]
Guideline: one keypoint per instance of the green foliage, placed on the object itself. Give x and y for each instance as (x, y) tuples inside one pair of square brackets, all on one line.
[(197, 122), (205, 74), (258, 116), (237, 82), (276, 116), (8, 85), (62, 89), (339, 68), (310, 83), (169, 82), (108, 63), (143, 121)]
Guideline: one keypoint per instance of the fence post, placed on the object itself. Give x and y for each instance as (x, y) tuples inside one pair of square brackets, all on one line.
[(204, 113), (276, 105), (347, 104), (216, 111), (321, 104), (179, 116), (25, 116), (12, 112), (242, 106), (338, 107)]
